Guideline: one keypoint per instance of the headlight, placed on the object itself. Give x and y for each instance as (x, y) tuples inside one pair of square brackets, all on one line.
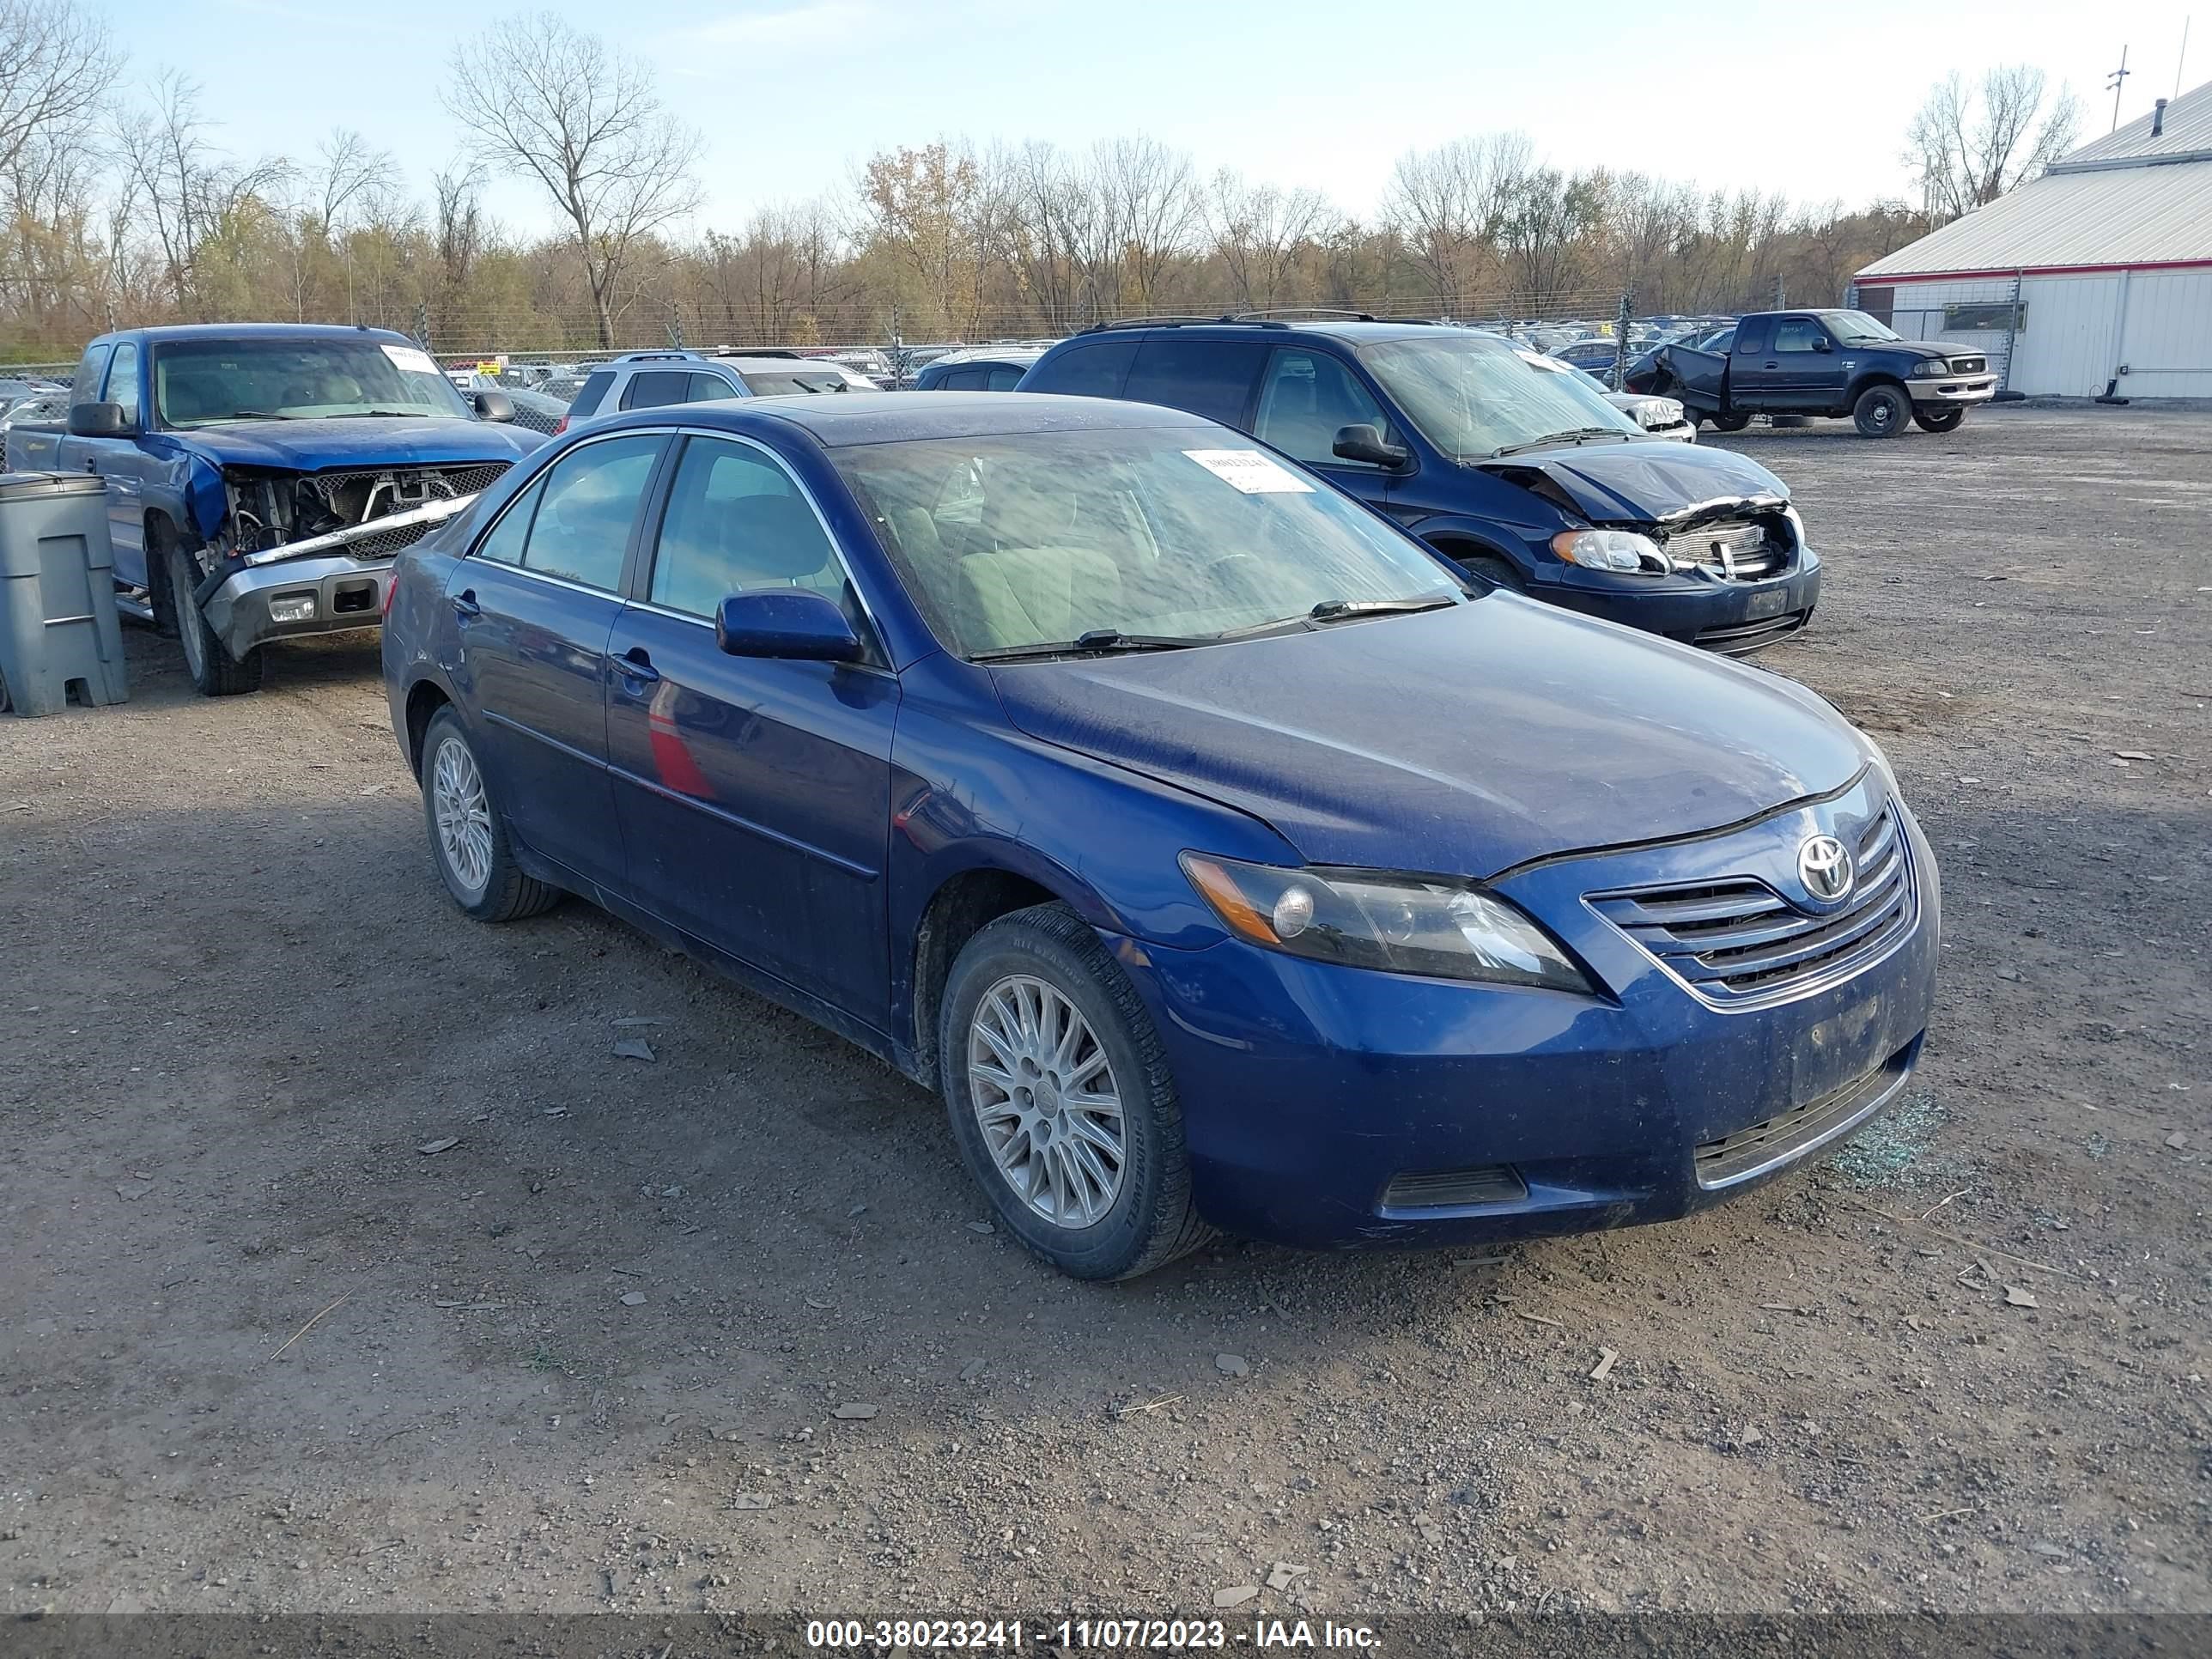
[(1398, 924), (1796, 525), (1931, 369), (1612, 549)]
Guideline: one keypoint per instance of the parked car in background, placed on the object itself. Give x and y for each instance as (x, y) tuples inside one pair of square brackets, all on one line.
[(538, 410), (1073, 757), (1659, 417), (985, 369), (652, 380), (1842, 363), (261, 476), (1595, 358), (1525, 476)]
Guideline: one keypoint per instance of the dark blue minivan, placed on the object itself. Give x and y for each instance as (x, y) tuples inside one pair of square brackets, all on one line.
[(1510, 465), (1223, 855)]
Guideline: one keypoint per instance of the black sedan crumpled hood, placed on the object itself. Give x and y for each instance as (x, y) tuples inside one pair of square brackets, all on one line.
[(1460, 742), (1641, 483)]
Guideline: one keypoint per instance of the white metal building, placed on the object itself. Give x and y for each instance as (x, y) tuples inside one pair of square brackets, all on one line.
[(2098, 272)]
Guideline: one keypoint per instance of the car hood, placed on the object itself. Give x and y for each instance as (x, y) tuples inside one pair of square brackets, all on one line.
[(1639, 483), (1917, 347), (311, 446), (1460, 742)]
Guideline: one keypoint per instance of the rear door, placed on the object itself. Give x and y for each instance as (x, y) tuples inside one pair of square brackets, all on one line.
[(754, 794), (534, 602)]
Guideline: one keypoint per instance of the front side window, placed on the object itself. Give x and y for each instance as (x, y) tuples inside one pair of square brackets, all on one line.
[(84, 387), (711, 389), (1798, 334), (208, 382), (1004, 377), (1189, 532), (1474, 398), (123, 380), (654, 388), (736, 520), (1309, 398), (589, 500), (591, 393)]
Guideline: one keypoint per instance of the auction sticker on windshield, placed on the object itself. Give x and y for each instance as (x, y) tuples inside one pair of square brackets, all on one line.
[(409, 357), (1250, 471)]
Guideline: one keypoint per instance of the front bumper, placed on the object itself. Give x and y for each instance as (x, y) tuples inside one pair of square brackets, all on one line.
[(1310, 1094), (334, 591), (1966, 389), (1693, 607)]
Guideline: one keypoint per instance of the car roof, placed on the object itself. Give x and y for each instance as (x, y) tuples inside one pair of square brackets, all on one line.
[(1004, 354), (876, 417), (264, 332), (1351, 331)]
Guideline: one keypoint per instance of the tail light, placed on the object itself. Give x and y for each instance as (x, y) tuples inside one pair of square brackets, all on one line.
[(391, 588), (561, 426)]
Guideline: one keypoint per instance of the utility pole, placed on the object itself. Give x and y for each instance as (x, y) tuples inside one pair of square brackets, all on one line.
[(2114, 82)]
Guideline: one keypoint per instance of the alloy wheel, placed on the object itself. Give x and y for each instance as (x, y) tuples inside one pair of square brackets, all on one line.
[(463, 815), (1045, 1098)]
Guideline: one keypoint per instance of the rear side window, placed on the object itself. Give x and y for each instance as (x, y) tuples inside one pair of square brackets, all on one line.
[(85, 387), (1085, 371), (964, 379), (1212, 378), (655, 387), (589, 500), (1751, 336), (587, 397), (504, 544)]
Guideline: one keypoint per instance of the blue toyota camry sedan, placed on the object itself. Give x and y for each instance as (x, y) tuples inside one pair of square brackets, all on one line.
[(1225, 857)]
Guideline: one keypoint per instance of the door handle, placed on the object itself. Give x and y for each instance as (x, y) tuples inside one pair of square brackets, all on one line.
[(465, 606), (636, 667), (1774, 365), (91, 465)]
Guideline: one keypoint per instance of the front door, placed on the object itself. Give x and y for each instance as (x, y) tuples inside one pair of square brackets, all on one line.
[(1306, 397), (754, 794), (1806, 371), (534, 602)]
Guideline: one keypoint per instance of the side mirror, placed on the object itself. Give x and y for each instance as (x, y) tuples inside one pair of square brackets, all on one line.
[(1365, 443), (792, 623), (1822, 343), (494, 405), (100, 421)]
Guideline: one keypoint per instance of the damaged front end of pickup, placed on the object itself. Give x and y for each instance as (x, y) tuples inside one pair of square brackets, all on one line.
[(311, 552)]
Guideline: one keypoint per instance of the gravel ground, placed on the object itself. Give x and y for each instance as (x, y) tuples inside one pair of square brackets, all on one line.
[(264, 1349)]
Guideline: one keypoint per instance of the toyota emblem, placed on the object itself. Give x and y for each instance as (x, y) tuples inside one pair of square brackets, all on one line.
[(1824, 865)]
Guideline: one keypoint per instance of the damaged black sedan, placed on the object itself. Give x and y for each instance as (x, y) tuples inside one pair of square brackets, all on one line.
[(1519, 471)]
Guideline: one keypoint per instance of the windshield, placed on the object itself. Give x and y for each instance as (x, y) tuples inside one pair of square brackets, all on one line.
[(1857, 325), (784, 383), (1473, 398), (1181, 533), (205, 382)]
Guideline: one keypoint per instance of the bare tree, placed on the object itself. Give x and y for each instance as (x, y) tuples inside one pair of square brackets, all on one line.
[(1448, 208), (543, 101), (1969, 150), (1259, 233), (191, 190), (55, 63)]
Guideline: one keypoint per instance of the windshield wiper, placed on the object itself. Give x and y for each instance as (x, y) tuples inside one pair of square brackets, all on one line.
[(386, 414), (1098, 641), (1575, 436), (250, 415), (1329, 611)]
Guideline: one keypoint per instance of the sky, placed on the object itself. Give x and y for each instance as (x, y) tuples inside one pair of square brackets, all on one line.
[(794, 95)]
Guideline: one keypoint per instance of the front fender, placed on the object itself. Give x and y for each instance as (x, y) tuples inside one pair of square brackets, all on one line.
[(188, 489)]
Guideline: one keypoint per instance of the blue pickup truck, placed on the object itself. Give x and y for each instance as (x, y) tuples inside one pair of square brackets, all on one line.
[(261, 476)]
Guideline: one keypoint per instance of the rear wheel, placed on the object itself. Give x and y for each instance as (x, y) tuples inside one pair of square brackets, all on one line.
[(1881, 411), (1938, 419), (1061, 1099), (468, 837), (215, 671), (1730, 423)]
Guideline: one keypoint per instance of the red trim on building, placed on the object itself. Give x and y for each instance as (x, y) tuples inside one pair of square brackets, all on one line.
[(2033, 271)]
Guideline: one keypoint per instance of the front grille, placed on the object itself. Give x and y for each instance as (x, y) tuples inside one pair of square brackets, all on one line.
[(387, 543), (1969, 365), (1735, 639), (1762, 1146), (444, 482), (1736, 549), (1455, 1189), (1739, 939)]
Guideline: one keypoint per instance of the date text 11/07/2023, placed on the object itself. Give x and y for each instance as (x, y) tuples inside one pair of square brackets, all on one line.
[(1083, 1636)]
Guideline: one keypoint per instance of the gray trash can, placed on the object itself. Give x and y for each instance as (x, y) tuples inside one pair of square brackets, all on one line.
[(58, 626)]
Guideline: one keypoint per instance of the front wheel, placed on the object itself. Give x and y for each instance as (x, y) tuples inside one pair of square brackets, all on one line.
[(1938, 420), (468, 837), (1730, 423), (1061, 1099), (215, 671), (1881, 411)]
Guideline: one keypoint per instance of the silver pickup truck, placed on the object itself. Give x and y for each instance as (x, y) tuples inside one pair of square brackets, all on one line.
[(261, 476)]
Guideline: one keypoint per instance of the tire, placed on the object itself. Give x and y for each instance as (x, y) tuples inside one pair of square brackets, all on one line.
[(1493, 567), (1730, 423), (215, 671), (1026, 973), (478, 868), (1938, 420), (1881, 411)]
